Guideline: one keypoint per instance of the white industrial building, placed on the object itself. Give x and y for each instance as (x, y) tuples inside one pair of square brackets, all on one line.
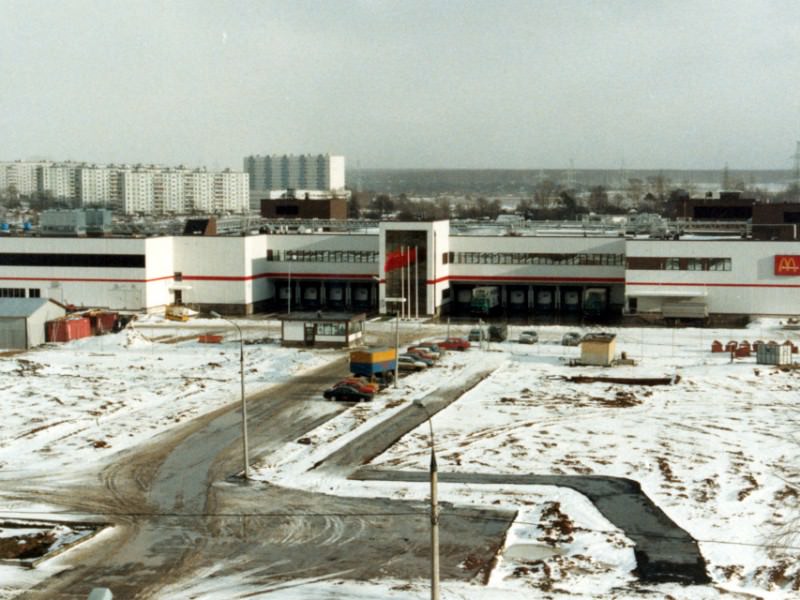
[(347, 271)]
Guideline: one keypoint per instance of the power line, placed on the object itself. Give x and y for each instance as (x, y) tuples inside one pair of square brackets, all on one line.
[(424, 514)]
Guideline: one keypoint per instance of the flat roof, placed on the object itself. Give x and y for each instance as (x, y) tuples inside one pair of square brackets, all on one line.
[(323, 316), (599, 337)]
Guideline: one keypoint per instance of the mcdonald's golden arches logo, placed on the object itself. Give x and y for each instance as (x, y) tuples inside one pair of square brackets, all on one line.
[(787, 264)]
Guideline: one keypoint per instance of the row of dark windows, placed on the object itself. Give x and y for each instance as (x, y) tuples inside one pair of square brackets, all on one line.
[(20, 293), (331, 256), (19, 259), (533, 258), (675, 263)]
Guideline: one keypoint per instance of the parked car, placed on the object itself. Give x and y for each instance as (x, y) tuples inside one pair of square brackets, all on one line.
[(406, 362), (571, 338), (432, 346), (426, 361), (476, 335), (347, 393), (368, 387), (454, 343), (528, 337), (423, 352), (498, 333)]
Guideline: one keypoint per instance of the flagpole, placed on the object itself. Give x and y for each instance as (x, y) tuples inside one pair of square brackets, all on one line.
[(402, 284), (416, 281), (408, 281)]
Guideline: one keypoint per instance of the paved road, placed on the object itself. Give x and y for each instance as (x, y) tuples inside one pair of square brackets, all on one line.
[(179, 510), (664, 551)]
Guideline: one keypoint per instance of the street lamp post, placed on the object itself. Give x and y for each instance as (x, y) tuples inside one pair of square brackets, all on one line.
[(396, 347), (434, 479), (289, 304), (246, 452)]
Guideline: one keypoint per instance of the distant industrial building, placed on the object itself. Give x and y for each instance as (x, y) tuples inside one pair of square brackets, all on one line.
[(132, 189), (304, 205), (768, 221), (76, 222)]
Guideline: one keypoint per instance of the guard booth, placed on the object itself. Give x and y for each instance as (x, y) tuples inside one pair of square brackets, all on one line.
[(598, 349), (322, 330)]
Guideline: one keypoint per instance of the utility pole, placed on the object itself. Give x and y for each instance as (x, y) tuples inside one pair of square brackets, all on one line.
[(289, 306), (434, 481), (246, 454)]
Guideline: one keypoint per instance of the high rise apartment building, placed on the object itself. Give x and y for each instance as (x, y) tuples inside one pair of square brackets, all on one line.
[(136, 191), (20, 176), (97, 185), (169, 191), (298, 172), (59, 179), (140, 189)]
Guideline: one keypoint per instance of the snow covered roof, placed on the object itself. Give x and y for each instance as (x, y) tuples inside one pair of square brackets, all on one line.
[(323, 316)]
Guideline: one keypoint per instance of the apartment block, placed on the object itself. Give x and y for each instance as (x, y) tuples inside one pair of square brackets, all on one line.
[(286, 171), (145, 189)]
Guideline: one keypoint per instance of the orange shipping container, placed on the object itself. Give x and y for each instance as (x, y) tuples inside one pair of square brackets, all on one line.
[(375, 355), (64, 330)]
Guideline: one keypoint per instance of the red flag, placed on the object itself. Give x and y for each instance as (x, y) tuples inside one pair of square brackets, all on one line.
[(399, 259)]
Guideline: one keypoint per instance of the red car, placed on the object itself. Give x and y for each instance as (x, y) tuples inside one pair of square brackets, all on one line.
[(421, 352), (365, 387), (454, 343)]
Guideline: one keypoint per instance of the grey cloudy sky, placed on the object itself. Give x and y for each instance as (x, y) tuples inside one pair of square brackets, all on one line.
[(403, 83)]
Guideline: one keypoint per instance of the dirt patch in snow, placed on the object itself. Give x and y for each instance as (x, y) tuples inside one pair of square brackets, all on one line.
[(624, 380)]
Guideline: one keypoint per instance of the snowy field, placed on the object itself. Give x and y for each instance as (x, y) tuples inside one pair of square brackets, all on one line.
[(716, 451), (76, 404)]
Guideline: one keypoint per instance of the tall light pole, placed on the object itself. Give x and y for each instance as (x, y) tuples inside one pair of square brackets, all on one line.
[(289, 304), (434, 477), (396, 347), (246, 452)]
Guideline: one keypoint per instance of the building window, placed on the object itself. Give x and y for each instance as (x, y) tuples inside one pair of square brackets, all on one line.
[(178, 276), (331, 329), (527, 258), (343, 256), (12, 292), (719, 264), (445, 257), (672, 264), (694, 264), (34, 293)]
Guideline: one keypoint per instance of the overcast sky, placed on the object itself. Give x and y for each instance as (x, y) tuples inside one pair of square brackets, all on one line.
[(397, 84)]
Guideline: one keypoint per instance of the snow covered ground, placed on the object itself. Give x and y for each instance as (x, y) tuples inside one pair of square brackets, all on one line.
[(76, 404), (717, 451)]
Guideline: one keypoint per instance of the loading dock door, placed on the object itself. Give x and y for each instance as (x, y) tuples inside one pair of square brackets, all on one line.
[(309, 333), (13, 335)]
